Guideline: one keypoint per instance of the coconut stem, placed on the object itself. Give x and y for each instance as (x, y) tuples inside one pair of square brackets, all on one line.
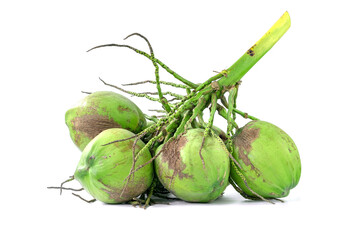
[(149, 195), (161, 82), (209, 124), (181, 127), (235, 99), (231, 101), (71, 178), (121, 140), (147, 146), (177, 96), (244, 180), (245, 115), (88, 201), (173, 73), (151, 118), (212, 113), (201, 147), (256, 52), (143, 165), (63, 188), (239, 190), (163, 100), (222, 112), (200, 106), (130, 92)]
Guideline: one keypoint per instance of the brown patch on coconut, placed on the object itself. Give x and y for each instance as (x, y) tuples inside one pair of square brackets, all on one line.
[(243, 142), (127, 193), (123, 109), (171, 156), (92, 125)]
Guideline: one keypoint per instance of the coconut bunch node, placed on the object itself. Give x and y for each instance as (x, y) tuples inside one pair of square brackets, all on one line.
[(134, 158)]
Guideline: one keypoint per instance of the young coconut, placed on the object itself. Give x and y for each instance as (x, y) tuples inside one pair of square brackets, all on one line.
[(181, 170), (104, 168), (268, 159), (180, 115), (100, 111)]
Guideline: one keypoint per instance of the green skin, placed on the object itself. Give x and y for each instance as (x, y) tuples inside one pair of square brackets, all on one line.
[(100, 111), (180, 168), (103, 169), (269, 160)]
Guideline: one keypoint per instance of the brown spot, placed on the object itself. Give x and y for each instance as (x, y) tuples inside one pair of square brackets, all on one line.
[(251, 51), (123, 109), (215, 85), (92, 125), (89, 162), (171, 156), (130, 144), (223, 179), (243, 142)]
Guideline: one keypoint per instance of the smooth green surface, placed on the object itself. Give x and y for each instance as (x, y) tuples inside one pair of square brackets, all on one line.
[(103, 169), (274, 167), (190, 181), (99, 111)]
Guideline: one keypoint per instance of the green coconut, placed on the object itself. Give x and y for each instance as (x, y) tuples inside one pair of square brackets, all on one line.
[(100, 111), (181, 171), (103, 169), (269, 160)]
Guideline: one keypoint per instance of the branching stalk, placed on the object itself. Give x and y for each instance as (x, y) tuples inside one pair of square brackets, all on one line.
[(245, 115), (163, 100), (173, 73), (130, 92), (161, 82), (231, 101)]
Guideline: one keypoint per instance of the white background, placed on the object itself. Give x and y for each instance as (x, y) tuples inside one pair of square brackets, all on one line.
[(308, 85)]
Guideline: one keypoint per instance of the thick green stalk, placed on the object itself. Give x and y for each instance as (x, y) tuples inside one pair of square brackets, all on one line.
[(256, 52), (207, 82)]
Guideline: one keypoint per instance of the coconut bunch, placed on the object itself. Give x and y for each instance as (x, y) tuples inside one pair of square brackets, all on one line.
[(130, 157)]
